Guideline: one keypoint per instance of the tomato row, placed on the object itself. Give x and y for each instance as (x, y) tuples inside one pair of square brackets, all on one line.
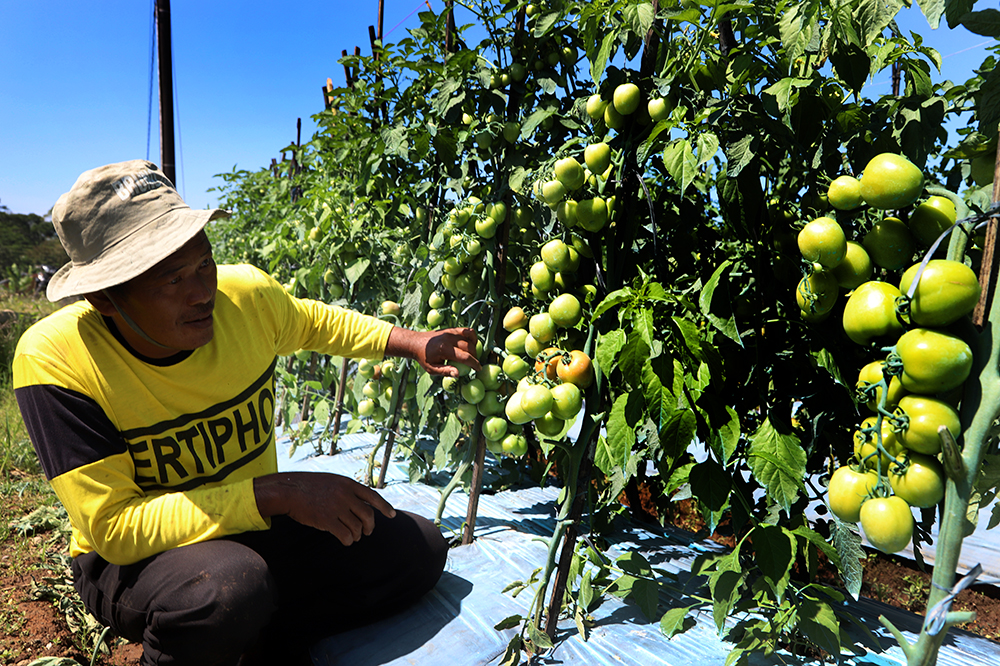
[(915, 390)]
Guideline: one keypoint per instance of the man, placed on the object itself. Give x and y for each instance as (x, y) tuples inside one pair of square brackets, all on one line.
[(151, 406)]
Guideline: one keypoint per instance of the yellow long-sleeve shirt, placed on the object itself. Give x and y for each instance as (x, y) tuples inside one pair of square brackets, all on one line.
[(148, 455)]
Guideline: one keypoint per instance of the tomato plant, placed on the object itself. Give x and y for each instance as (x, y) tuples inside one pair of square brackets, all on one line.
[(446, 172)]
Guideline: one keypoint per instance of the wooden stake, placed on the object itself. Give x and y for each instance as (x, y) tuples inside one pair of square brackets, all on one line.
[(988, 268)]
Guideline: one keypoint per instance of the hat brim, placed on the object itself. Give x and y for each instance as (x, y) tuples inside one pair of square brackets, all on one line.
[(133, 256)]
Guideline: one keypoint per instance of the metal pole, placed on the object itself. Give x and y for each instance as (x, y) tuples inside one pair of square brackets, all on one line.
[(167, 163)]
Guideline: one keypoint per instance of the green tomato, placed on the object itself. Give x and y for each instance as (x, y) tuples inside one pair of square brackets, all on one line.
[(872, 374), (919, 480), (541, 276), (435, 318), (947, 291), (569, 172), (542, 327), (449, 384), (536, 400), (891, 182), (514, 344), (567, 400), (933, 361), (436, 300), (926, 415), (549, 425), (598, 157), (490, 404), (870, 313), (486, 227), (366, 368), (845, 193), (466, 412), (370, 390), (866, 444), (887, 523), (514, 411), (565, 310), (473, 391), (532, 347), (515, 367), (514, 446), (592, 214), (659, 108), (931, 219), (890, 244), (494, 428), (626, 98), (366, 407), (595, 107), (848, 489), (491, 375), (555, 255), (822, 241), (553, 191), (816, 293), (855, 269)]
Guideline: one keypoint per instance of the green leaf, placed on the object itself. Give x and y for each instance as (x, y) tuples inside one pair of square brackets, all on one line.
[(710, 485), (508, 622), (635, 564), (739, 154), (955, 11), (512, 655), (726, 435), (356, 269), (608, 347), (785, 91), (680, 162), (719, 311), (797, 27), (848, 544), (618, 297), (676, 621), (708, 146), (778, 462), (621, 424), (988, 108), (774, 552), (449, 435), (933, 11), (874, 16), (539, 638), (598, 64), (724, 584), (586, 594), (819, 623)]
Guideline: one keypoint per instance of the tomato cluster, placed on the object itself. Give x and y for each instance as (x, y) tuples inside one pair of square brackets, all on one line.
[(914, 390)]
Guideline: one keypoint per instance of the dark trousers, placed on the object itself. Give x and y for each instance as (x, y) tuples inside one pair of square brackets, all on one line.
[(263, 596)]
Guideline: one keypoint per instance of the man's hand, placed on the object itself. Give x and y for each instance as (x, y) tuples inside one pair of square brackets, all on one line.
[(432, 349), (330, 502)]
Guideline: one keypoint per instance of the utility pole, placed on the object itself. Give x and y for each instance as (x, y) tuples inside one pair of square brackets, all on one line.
[(167, 164)]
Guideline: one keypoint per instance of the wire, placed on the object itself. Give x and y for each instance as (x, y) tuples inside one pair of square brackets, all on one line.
[(152, 58), (179, 158), (426, 2)]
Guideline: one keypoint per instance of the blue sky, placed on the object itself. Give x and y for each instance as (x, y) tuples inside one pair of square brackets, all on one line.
[(74, 83)]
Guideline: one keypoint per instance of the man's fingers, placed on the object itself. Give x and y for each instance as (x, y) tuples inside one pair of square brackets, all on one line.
[(378, 502)]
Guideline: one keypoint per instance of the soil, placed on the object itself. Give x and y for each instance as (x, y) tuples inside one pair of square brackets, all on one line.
[(33, 628), (893, 580)]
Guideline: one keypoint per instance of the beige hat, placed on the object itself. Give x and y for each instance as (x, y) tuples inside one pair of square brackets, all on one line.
[(117, 222)]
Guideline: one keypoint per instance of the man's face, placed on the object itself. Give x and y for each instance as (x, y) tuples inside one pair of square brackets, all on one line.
[(172, 302)]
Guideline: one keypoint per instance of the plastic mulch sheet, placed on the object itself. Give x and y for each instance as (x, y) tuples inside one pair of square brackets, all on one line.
[(454, 624)]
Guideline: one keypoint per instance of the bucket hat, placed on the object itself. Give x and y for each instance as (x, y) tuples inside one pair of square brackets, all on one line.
[(117, 222)]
